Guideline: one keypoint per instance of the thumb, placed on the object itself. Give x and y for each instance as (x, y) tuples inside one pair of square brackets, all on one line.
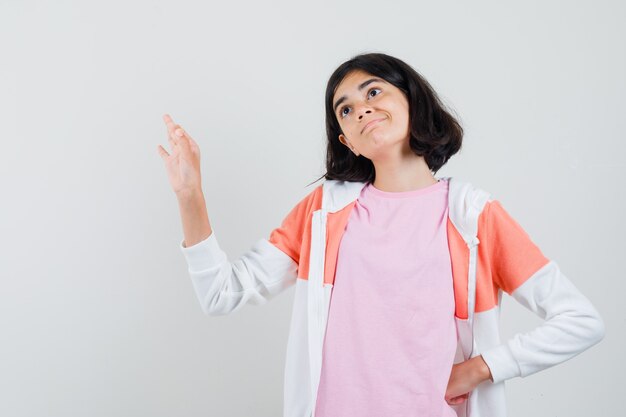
[(162, 152)]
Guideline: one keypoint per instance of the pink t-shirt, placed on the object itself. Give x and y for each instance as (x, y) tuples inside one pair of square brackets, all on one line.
[(391, 339)]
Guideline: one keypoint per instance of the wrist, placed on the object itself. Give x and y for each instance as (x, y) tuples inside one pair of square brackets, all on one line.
[(189, 194), (482, 371)]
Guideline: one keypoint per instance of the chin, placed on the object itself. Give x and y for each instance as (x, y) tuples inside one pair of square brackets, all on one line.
[(383, 139)]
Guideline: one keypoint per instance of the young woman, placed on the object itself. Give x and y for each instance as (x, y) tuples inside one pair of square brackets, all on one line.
[(415, 265)]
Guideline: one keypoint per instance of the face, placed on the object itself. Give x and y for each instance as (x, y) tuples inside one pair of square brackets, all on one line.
[(373, 115)]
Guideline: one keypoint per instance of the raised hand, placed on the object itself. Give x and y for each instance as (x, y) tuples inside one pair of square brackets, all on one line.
[(183, 164)]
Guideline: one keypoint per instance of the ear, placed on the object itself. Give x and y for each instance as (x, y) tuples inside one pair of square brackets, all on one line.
[(343, 140)]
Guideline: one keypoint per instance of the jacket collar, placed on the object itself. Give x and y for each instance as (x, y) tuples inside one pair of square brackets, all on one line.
[(338, 194), (465, 202)]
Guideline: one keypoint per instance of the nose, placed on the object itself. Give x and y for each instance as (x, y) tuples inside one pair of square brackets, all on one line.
[(363, 110)]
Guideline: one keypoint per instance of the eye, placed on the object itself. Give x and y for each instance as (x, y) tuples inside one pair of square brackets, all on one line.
[(373, 89), (342, 114)]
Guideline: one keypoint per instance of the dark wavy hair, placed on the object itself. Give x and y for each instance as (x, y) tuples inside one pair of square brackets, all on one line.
[(435, 133)]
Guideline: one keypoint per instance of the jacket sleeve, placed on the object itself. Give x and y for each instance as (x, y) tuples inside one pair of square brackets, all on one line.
[(266, 269), (571, 323)]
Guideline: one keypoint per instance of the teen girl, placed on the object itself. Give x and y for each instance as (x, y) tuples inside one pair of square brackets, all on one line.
[(415, 265)]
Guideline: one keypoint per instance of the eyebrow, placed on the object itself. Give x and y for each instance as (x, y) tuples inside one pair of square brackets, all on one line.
[(361, 87)]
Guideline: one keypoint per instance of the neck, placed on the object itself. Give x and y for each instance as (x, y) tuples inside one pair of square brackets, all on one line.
[(403, 172)]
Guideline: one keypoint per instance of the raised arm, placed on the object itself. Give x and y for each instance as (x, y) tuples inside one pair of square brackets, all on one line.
[(223, 287), (184, 174)]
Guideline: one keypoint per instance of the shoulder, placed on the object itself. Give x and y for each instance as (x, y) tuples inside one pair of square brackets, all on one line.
[(468, 205), (468, 192), (311, 201), (337, 194)]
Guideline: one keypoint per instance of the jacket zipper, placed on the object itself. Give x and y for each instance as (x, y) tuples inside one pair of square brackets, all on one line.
[(471, 304), (318, 292), (322, 265)]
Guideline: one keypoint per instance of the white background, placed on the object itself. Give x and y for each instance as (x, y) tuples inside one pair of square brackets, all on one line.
[(97, 312)]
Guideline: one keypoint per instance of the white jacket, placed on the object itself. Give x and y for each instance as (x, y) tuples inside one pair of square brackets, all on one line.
[(490, 253)]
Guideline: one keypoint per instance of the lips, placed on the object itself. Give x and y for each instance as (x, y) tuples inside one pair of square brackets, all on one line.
[(370, 123)]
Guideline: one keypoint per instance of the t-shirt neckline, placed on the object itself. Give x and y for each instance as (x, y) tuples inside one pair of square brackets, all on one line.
[(404, 194)]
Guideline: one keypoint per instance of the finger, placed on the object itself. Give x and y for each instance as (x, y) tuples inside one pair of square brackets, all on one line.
[(171, 126), (168, 120), (193, 142), (162, 152), (459, 399), (178, 134), (182, 138), (169, 123)]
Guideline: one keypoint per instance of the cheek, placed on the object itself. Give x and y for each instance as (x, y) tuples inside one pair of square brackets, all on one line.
[(348, 127), (401, 114)]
